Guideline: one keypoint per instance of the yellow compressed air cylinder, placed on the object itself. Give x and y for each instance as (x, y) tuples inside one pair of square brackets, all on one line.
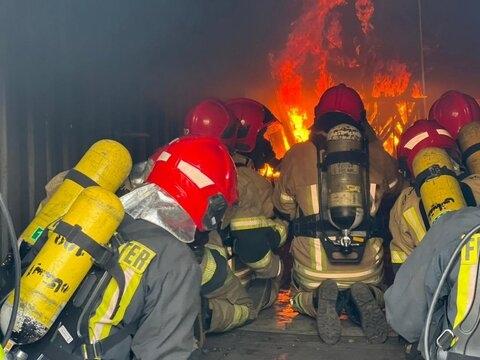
[(60, 266), (442, 193), (107, 164), (469, 139)]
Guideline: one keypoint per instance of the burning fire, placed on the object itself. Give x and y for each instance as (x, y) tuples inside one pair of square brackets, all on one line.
[(320, 53), (297, 119)]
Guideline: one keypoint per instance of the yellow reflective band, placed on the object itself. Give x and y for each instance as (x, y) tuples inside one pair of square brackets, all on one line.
[(218, 248), (416, 223), (240, 316), (286, 198), (248, 223), (398, 256), (134, 260), (300, 269), (262, 263), (251, 223), (467, 277), (209, 266)]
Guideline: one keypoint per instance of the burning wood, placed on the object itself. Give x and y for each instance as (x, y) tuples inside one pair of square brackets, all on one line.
[(318, 54)]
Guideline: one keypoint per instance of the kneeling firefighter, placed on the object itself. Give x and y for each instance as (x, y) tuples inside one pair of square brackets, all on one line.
[(146, 304), (431, 161), (439, 286), (225, 302), (255, 232), (459, 113), (331, 187)]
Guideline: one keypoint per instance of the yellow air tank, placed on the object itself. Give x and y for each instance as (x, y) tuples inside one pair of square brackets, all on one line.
[(469, 141), (441, 192), (107, 164), (60, 266)]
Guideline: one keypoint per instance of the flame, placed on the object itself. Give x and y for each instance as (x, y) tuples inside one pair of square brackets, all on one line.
[(364, 10), (391, 79), (417, 92), (319, 53), (269, 172), (297, 119)]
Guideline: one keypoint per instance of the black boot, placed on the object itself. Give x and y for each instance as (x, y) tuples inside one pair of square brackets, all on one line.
[(328, 323), (371, 316)]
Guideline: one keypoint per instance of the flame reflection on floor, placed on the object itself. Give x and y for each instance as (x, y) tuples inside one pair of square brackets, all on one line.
[(284, 312)]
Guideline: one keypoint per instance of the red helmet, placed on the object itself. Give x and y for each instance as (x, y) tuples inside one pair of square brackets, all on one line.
[(422, 134), (341, 99), (453, 110), (213, 119), (254, 117), (200, 175)]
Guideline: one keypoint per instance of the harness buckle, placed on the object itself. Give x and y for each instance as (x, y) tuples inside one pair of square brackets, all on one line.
[(92, 351), (444, 341)]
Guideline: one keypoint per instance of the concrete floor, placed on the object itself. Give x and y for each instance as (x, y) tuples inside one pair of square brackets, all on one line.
[(280, 333)]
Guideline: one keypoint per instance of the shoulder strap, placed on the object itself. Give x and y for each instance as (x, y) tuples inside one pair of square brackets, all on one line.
[(468, 194), (423, 212), (98, 349), (104, 257)]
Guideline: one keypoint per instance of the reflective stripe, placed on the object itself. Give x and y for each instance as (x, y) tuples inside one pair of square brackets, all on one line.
[(398, 256), (392, 184), (286, 198), (195, 175), (262, 263), (467, 278), (134, 260), (209, 266), (415, 140), (317, 255), (314, 197), (444, 132), (415, 221), (218, 248), (249, 223), (240, 316), (164, 156), (376, 278), (337, 275)]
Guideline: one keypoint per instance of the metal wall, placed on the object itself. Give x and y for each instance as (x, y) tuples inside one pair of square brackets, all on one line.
[(72, 72), (58, 96)]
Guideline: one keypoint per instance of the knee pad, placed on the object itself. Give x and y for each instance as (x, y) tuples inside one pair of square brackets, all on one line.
[(251, 245)]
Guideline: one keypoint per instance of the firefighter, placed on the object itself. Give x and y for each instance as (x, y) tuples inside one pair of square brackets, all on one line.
[(454, 326), (424, 147), (256, 233), (191, 185), (341, 144), (459, 114), (226, 304)]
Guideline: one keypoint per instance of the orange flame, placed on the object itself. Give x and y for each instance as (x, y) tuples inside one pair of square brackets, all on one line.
[(297, 119), (417, 92), (391, 79), (364, 10), (318, 55)]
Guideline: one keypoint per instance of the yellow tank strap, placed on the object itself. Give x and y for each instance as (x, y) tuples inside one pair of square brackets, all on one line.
[(398, 256), (415, 221), (134, 260), (467, 275), (209, 266)]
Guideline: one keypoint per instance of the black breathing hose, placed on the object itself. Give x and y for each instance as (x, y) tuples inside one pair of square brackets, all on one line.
[(436, 295), (17, 270)]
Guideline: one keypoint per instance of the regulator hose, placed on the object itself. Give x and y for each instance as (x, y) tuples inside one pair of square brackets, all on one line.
[(17, 269), (436, 295)]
